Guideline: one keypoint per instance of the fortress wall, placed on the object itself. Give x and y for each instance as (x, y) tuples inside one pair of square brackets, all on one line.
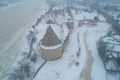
[(53, 54)]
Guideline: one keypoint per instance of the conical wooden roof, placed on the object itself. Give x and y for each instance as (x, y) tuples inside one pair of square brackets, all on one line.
[(50, 38)]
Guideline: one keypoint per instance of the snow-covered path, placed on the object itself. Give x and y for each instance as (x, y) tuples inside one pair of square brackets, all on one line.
[(92, 67), (86, 71)]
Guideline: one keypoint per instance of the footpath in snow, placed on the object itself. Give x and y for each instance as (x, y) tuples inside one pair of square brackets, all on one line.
[(93, 68)]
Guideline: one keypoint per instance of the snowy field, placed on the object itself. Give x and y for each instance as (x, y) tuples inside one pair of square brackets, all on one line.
[(80, 59)]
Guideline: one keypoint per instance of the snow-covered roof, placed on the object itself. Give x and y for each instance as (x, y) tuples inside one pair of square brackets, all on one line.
[(50, 38)]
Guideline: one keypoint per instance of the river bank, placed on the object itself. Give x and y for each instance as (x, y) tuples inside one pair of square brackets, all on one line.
[(13, 18), (15, 22)]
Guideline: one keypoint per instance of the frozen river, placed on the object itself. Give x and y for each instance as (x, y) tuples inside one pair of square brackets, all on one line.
[(14, 21), (15, 17)]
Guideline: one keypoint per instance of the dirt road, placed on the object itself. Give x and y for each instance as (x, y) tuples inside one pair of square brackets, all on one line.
[(86, 71)]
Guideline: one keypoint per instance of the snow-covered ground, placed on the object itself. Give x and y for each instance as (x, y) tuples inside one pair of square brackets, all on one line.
[(70, 66), (80, 59)]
